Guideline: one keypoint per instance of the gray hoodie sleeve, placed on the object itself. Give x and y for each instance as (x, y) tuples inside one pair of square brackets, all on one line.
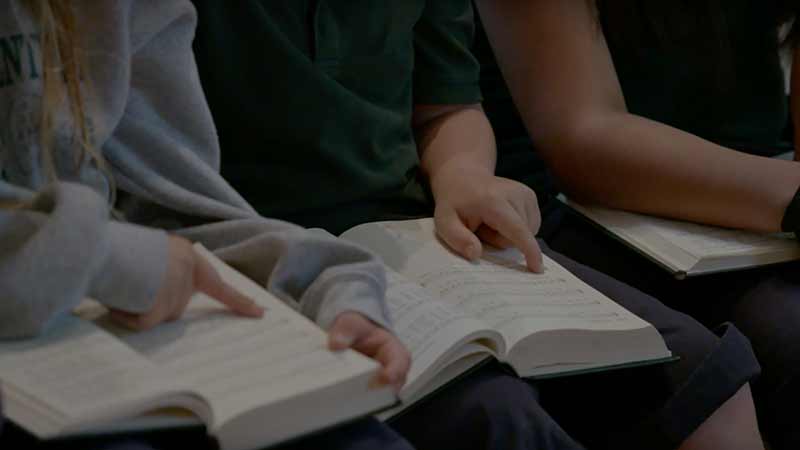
[(316, 274), (165, 151), (155, 130), (61, 248)]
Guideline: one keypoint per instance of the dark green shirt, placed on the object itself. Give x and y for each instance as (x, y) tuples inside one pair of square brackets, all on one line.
[(313, 100), (740, 103)]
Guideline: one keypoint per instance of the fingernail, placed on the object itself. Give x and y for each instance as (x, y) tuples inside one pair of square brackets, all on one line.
[(342, 341), (472, 252), (256, 310)]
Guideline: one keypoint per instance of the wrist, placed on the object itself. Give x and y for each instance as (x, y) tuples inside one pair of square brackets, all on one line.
[(134, 268), (364, 298), (455, 172)]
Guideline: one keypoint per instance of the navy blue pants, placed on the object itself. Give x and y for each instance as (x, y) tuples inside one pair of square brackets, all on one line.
[(763, 303), (366, 434)]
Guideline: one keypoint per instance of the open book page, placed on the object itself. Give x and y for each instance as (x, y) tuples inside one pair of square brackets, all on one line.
[(498, 290), (435, 333), (704, 241), (692, 249), (240, 364), (699, 240), (77, 373)]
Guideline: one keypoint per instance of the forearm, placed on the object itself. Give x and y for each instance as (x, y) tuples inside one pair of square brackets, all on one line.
[(632, 163), (460, 140), (562, 76)]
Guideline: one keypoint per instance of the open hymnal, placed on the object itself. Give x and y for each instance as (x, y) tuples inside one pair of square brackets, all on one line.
[(452, 314), (689, 249), (252, 382)]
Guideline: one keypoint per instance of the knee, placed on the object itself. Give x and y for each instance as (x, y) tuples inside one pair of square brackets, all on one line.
[(501, 396), (488, 410), (689, 340), (505, 412), (768, 314)]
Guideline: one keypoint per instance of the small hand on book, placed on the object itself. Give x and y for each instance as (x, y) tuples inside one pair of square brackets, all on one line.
[(187, 273), (353, 330), (473, 204)]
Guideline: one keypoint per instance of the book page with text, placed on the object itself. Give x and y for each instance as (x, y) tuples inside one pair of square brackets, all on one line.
[(701, 241), (498, 289), (239, 364), (433, 331), (80, 373), (503, 293), (704, 241)]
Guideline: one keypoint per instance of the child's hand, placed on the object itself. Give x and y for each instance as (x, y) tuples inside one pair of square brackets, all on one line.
[(502, 212), (187, 273), (353, 330)]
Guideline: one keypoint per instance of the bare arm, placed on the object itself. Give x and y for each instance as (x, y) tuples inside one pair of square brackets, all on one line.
[(454, 137), (559, 69)]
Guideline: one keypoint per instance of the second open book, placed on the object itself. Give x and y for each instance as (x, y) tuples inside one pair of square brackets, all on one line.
[(689, 249), (452, 313)]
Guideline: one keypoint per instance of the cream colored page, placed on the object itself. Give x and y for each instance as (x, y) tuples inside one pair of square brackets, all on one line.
[(516, 301), (698, 240), (500, 291), (80, 371), (429, 328), (239, 363), (703, 241)]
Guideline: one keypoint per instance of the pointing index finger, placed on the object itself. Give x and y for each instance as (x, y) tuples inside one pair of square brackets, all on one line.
[(208, 281), (509, 224)]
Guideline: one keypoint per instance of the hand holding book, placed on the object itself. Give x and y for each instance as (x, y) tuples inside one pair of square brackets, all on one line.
[(352, 330)]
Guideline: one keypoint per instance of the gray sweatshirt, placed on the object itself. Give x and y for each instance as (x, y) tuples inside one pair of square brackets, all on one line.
[(148, 116)]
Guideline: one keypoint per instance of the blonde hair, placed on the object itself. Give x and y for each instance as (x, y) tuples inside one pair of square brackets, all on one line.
[(64, 81)]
